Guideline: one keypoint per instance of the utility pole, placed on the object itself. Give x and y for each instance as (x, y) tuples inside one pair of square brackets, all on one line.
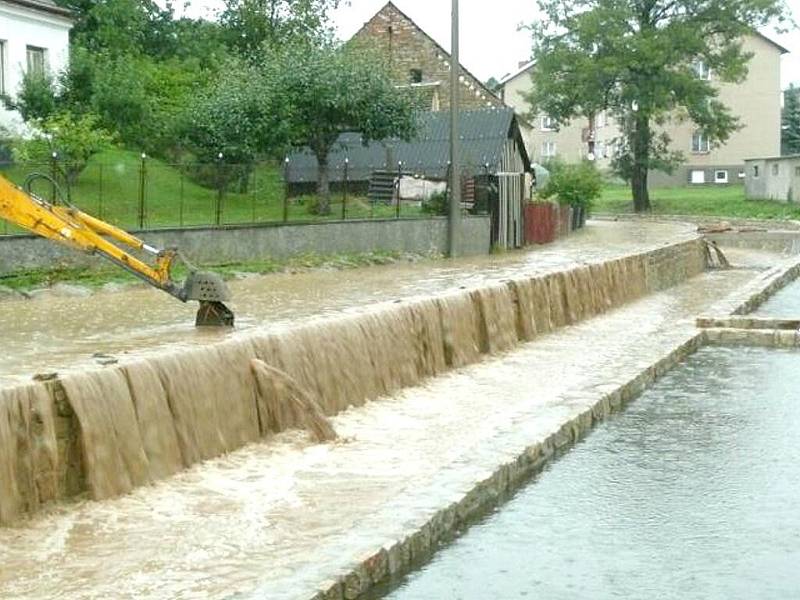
[(455, 161)]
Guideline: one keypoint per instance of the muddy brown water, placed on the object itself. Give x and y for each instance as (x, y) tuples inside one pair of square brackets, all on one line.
[(56, 333), (158, 414), (277, 517)]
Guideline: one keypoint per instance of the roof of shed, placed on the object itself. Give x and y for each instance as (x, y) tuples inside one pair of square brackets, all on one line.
[(483, 134), (47, 6)]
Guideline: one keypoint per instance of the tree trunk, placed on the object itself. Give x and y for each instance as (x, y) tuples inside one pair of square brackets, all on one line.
[(641, 162), (323, 185)]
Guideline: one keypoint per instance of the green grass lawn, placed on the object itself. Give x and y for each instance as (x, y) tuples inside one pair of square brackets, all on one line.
[(716, 201), (109, 188)]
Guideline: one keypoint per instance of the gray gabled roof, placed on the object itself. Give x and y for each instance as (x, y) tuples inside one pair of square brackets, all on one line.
[(483, 133), (47, 6)]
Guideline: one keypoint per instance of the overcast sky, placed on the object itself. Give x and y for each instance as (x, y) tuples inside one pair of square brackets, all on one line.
[(491, 44)]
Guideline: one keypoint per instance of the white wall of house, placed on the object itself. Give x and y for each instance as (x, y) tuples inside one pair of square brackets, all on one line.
[(21, 28)]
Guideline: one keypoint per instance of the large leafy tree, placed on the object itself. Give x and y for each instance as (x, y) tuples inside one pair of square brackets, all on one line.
[(791, 121), (300, 95), (640, 60), (249, 25)]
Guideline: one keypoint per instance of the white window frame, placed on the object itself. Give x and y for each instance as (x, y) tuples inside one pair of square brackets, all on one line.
[(701, 70), (694, 179), (549, 149), (742, 174), (547, 123), (718, 179), (600, 149), (700, 143), (33, 51)]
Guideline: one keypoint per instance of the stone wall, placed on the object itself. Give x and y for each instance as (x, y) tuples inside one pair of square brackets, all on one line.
[(207, 245), (406, 47)]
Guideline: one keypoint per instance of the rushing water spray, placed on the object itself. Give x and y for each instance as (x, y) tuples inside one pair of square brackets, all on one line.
[(287, 405)]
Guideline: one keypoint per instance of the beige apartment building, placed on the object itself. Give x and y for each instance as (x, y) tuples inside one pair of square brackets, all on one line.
[(756, 101)]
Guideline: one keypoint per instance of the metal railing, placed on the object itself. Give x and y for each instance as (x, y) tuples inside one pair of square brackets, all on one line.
[(144, 193)]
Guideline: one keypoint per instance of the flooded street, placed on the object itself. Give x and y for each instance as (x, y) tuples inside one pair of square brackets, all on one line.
[(56, 333), (276, 518), (691, 493)]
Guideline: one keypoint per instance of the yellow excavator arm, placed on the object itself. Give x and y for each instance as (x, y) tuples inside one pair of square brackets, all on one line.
[(67, 225)]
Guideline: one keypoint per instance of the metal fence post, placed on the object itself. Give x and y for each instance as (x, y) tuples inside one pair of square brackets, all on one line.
[(180, 206), (253, 193), (100, 192), (399, 177), (286, 189), (344, 190), (53, 175), (142, 181), (218, 206)]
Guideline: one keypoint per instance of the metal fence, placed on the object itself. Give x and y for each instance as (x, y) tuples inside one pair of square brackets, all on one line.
[(144, 193)]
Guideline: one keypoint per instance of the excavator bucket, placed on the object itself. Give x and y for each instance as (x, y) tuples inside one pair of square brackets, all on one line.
[(210, 291)]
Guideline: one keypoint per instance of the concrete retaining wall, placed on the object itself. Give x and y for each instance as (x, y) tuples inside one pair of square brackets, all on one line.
[(206, 245)]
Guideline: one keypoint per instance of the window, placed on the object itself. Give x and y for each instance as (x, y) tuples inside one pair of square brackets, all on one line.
[(2, 67), (548, 123), (741, 174), (776, 169), (700, 143), (548, 149), (698, 177), (600, 150), (415, 75), (756, 172), (36, 60), (702, 70), (720, 176)]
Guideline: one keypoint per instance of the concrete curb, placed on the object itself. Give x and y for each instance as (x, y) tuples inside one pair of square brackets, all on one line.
[(400, 557)]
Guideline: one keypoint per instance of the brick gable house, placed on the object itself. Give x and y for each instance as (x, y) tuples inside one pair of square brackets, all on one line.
[(415, 60)]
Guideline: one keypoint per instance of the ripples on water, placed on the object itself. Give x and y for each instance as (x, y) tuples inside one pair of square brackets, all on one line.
[(786, 303), (692, 492)]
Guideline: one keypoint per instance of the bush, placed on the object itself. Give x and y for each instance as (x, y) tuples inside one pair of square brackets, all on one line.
[(437, 204), (574, 185)]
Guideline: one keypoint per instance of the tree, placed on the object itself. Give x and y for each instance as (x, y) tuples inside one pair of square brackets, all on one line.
[(301, 95), (645, 62), (790, 132), (331, 90), (72, 139), (249, 25)]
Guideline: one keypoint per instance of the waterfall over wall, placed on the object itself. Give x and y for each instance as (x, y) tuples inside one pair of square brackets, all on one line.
[(105, 432)]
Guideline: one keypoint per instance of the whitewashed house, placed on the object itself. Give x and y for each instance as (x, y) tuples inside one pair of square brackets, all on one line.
[(34, 36)]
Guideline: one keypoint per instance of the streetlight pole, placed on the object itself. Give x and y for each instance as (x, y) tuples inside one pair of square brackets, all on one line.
[(455, 163)]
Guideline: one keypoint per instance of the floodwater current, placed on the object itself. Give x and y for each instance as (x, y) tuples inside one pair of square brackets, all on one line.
[(61, 332), (280, 516), (691, 493), (784, 304)]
